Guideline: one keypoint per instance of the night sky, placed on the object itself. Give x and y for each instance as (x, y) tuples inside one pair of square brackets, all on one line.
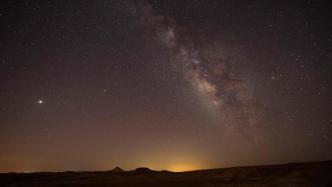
[(173, 84)]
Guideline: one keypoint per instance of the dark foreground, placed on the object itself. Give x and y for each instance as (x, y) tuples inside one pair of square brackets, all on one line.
[(299, 174)]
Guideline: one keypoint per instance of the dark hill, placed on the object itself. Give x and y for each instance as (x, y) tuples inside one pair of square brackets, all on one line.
[(143, 170), (116, 170)]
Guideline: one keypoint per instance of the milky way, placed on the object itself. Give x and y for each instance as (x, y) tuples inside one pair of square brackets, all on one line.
[(210, 72)]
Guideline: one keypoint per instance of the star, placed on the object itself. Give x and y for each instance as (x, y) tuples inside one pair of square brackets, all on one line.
[(40, 101)]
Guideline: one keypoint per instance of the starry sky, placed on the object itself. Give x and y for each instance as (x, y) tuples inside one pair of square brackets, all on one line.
[(176, 85)]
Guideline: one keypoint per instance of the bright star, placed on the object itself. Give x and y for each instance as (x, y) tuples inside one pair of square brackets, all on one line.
[(40, 101)]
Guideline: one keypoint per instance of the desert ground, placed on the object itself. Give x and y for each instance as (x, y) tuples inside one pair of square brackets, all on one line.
[(293, 174)]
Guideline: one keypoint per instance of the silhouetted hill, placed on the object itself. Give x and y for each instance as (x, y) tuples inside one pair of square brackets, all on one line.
[(143, 170), (116, 170), (296, 174)]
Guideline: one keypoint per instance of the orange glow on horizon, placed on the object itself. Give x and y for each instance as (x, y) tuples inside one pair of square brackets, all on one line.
[(183, 167)]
